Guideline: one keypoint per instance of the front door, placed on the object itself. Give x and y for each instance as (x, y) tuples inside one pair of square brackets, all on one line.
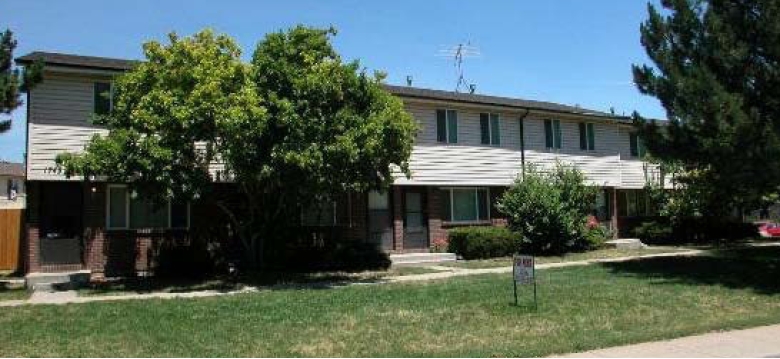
[(61, 227), (415, 221)]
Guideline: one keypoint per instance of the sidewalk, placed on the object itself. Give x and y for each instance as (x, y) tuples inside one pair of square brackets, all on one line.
[(755, 343), (71, 296)]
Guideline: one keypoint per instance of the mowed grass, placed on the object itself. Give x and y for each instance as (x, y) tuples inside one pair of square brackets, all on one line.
[(607, 253), (13, 294), (580, 308)]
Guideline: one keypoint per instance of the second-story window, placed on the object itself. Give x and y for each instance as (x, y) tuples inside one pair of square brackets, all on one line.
[(103, 98), (636, 145), (552, 134), (489, 125), (587, 137), (447, 126)]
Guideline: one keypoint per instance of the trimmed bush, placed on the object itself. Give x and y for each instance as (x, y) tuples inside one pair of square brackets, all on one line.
[(483, 242), (550, 209), (654, 232), (694, 230)]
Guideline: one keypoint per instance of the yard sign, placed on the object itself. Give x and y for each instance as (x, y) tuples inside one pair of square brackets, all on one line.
[(524, 273)]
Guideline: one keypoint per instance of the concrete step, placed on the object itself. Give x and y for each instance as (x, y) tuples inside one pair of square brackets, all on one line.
[(421, 258), (57, 281), (626, 243)]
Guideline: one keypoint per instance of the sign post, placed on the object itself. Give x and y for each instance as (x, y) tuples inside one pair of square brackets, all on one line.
[(524, 273)]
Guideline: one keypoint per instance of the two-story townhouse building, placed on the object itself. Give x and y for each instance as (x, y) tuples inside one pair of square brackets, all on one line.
[(469, 150)]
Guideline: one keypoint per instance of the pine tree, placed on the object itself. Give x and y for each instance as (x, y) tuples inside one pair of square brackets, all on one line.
[(12, 81), (717, 74)]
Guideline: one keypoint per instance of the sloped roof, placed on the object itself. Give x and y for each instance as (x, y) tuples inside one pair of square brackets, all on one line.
[(115, 64), (93, 62), (11, 169)]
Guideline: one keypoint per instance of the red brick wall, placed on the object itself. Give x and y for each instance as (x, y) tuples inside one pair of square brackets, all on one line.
[(435, 219), (398, 221), (32, 218)]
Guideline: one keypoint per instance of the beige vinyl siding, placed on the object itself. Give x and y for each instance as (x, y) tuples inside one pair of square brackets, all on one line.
[(467, 162), (601, 166), (59, 121)]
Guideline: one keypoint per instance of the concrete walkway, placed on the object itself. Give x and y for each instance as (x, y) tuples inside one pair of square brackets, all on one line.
[(761, 342), (448, 272), (71, 296)]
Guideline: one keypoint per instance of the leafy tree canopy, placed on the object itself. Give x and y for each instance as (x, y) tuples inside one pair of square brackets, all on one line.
[(717, 75), (293, 126)]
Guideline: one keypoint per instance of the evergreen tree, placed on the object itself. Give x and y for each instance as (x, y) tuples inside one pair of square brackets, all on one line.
[(717, 73), (12, 82)]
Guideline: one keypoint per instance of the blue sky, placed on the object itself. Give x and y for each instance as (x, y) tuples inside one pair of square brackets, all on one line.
[(572, 52)]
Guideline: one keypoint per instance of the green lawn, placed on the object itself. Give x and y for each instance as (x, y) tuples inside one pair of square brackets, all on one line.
[(147, 285), (570, 257), (13, 294), (580, 308)]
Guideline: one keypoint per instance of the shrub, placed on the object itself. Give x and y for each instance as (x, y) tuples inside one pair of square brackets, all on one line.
[(654, 232), (550, 210), (191, 260), (694, 230), (483, 242), (331, 255)]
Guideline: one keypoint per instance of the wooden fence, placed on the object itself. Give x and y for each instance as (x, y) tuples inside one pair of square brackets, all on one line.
[(10, 238)]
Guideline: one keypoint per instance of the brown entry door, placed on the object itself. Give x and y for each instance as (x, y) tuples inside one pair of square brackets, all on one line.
[(61, 227), (415, 221)]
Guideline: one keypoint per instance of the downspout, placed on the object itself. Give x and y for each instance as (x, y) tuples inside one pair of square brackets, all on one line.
[(522, 142)]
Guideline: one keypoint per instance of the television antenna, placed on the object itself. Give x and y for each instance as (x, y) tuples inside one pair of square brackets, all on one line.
[(458, 53)]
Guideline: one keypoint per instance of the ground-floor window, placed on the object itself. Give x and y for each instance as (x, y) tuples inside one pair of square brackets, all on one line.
[(466, 204), (319, 215), (128, 210), (634, 203)]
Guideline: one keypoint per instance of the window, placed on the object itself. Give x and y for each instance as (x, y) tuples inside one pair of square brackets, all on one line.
[(465, 204), (552, 133), (634, 203), (103, 98), (587, 137), (637, 145), (447, 126), (319, 215), (489, 125), (127, 211)]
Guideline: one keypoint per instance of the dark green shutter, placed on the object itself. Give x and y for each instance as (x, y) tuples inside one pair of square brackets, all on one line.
[(557, 130), (548, 134), (102, 98), (441, 126), (495, 131), (583, 137), (482, 204), (484, 128), (445, 204), (452, 126), (633, 145), (591, 137)]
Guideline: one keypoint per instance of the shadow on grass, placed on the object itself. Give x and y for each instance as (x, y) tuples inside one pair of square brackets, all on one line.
[(755, 268), (266, 280)]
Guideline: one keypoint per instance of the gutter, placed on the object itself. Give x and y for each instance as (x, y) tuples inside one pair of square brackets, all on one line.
[(522, 142)]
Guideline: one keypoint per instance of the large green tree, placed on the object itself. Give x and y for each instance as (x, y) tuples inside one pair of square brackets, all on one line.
[(717, 73), (295, 126), (12, 81)]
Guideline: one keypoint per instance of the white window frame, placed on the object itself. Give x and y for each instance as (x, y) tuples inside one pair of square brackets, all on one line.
[(476, 203), (447, 139), (128, 198), (589, 127), (110, 94), (554, 134), (490, 128)]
